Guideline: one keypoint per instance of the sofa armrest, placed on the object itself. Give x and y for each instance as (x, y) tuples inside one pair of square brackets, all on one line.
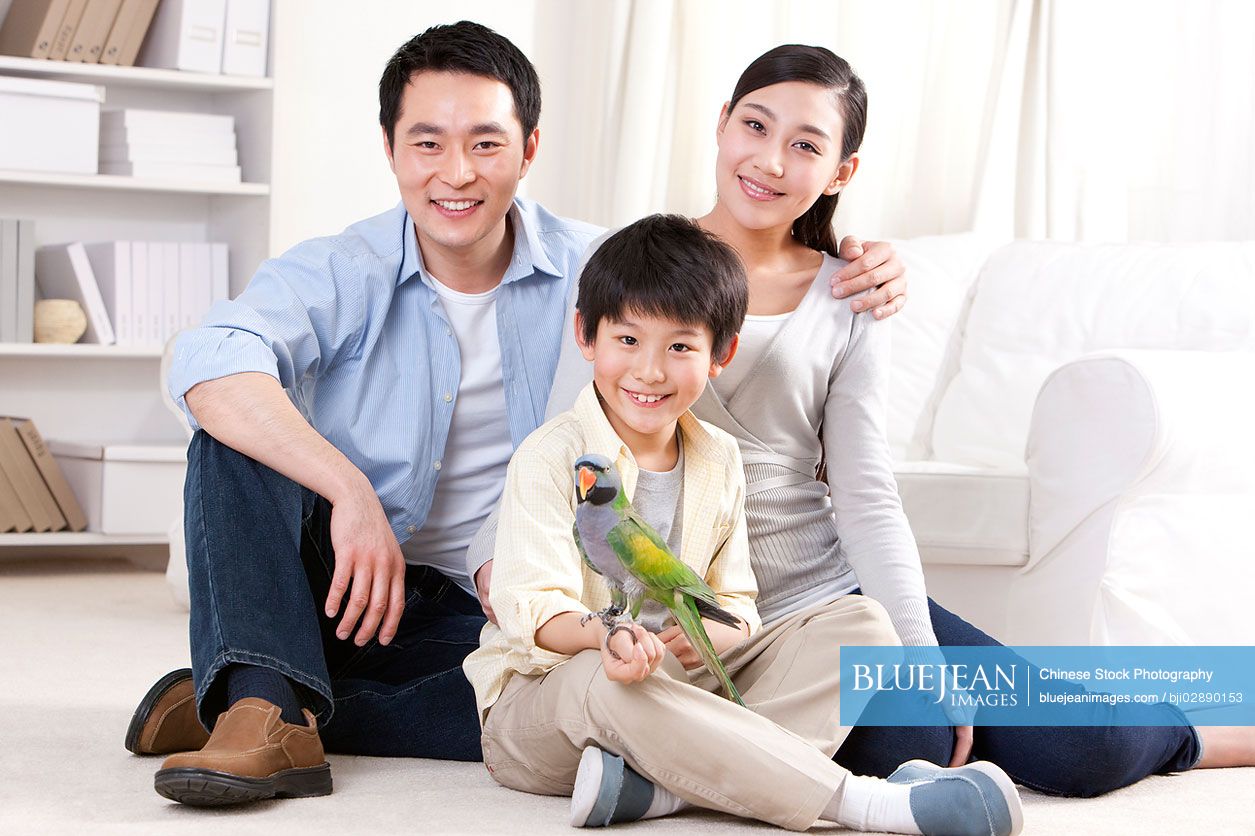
[(1145, 421)]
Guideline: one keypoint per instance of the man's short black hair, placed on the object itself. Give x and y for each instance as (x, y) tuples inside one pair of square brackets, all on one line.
[(462, 47), (669, 267)]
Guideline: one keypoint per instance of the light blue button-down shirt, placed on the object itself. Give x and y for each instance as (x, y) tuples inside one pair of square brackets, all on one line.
[(352, 328)]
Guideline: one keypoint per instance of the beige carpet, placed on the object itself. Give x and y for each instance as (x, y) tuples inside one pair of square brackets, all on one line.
[(84, 640)]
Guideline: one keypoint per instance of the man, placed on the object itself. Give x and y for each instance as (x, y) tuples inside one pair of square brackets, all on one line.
[(355, 409)]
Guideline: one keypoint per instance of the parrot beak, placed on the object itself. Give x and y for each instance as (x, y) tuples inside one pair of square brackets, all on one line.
[(587, 480)]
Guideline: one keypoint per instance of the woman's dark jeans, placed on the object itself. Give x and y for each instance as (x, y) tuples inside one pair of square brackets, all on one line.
[(259, 567), (1079, 761)]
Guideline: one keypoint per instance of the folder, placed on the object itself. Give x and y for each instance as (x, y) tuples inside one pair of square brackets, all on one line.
[(65, 32), (111, 264), (246, 37), (24, 476), (131, 15), (89, 37), (66, 501), (14, 513), (30, 27), (186, 35), (8, 281)]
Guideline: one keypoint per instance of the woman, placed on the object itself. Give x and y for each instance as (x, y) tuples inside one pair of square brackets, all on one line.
[(807, 388)]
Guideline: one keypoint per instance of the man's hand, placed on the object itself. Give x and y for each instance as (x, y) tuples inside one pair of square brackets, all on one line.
[(962, 745), (483, 585), (369, 568), (636, 661), (871, 264)]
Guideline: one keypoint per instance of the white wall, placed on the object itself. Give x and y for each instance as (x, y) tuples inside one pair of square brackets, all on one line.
[(329, 166)]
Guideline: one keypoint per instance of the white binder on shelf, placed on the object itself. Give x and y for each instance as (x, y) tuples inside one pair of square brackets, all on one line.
[(111, 262), (156, 292), (220, 279), (245, 38), (186, 35), (140, 322)]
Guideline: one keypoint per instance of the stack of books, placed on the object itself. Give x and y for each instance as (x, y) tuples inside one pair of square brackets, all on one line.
[(17, 281), (34, 495), (86, 31), (135, 293), (162, 145)]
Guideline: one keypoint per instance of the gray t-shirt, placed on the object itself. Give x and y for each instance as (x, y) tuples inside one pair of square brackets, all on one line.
[(659, 499)]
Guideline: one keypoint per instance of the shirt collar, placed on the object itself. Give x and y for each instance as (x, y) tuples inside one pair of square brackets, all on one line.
[(601, 438), (529, 256)]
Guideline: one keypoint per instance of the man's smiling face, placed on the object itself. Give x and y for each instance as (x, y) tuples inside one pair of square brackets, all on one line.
[(458, 155)]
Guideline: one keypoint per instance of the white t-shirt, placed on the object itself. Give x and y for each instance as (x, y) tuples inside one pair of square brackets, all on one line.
[(479, 445), (756, 334)]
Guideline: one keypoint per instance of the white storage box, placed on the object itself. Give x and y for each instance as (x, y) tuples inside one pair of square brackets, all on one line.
[(49, 125), (123, 488)]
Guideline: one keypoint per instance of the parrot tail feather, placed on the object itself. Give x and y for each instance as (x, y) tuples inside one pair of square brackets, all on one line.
[(686, 612), (716, 613)]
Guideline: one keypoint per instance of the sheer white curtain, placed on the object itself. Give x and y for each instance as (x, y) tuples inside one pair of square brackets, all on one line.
[(1124, 121), (1086, 119), (633, 90)]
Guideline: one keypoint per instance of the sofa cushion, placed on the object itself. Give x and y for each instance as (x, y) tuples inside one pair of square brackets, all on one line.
[(940, 270), (966, 515), (1038, 305)]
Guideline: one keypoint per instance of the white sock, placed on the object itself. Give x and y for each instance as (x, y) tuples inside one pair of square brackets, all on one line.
[(866, 803), (664, 804)]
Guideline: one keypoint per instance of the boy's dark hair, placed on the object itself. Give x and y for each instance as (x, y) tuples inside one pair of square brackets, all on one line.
[(462, 47), (669, 267)]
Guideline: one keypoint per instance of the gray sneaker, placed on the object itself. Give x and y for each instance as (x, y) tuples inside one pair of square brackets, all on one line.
[(608, 791), (978, 799)]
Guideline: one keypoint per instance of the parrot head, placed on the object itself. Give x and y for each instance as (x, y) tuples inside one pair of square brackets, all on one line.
[(596, 479)]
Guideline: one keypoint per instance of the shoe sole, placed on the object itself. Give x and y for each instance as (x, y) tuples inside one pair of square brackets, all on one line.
[(1004, 783), (208, 788), (146, 705), (587, 786)]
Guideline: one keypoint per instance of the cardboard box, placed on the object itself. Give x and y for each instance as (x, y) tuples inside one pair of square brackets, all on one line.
[(125, 488), (49, 125)]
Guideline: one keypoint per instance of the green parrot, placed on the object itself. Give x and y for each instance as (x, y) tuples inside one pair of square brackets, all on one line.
[(625, 550)]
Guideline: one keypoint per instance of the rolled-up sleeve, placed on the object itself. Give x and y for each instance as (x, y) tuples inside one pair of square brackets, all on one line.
[(537, 570), (296, 313)]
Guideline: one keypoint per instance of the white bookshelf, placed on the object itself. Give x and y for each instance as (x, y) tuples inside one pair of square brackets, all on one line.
[(112, 394), (81, 539), (81, 351), (116, 182), (129, 76)]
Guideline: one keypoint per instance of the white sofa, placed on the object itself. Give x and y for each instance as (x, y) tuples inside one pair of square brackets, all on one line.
[(1074, 425)]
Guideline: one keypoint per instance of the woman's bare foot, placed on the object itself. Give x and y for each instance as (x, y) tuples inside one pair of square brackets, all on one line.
[(1226, 746)]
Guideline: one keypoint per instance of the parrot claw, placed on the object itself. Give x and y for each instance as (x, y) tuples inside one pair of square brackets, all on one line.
[(609, 616), (615, 629)]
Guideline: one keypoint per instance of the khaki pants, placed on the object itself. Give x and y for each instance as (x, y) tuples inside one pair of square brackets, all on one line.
[(773, 763)]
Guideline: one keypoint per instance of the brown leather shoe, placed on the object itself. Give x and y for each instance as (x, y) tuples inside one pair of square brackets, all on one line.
[(251, 755), (166, 720)]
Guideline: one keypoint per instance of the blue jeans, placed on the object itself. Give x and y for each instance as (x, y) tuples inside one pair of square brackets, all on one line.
[(260, 562), (1080, 761)]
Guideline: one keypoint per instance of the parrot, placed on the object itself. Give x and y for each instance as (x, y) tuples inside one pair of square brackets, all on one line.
[(617, 544)]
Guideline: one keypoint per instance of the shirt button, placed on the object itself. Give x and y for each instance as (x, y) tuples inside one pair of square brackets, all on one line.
[(436, 464), (410, 529), (448, 332), (448, 396)]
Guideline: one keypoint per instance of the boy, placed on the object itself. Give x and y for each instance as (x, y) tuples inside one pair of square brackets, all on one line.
[(658, 309)]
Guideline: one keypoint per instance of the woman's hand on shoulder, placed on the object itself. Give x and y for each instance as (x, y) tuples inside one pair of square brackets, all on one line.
[(872, 264)]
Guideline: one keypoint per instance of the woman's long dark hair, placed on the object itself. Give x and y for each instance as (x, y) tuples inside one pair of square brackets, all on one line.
[(813, 65)]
